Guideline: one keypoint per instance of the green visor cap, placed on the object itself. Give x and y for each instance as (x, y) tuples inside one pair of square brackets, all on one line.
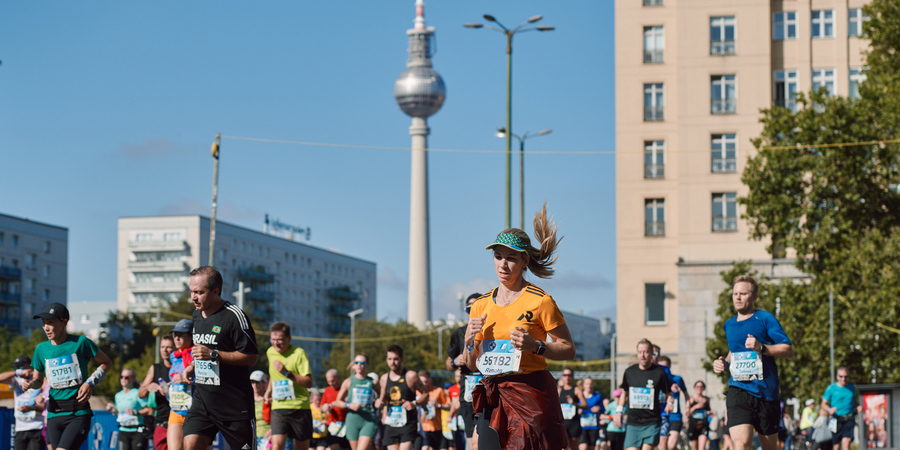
[(510, 240)]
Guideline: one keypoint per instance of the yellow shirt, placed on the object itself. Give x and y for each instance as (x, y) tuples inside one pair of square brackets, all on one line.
[(534, 310), (296, 361)]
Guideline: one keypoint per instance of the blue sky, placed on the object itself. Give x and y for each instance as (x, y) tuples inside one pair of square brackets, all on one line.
[(108, 109)]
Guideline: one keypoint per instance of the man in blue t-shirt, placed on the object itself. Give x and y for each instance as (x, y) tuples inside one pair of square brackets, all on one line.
[(839, 400), (755, 339)]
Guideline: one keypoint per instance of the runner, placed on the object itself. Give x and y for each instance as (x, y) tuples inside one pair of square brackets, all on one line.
[(591, 409), (457, 360), (698, 427), (291, 379), (839, 400), (128, 409), (645, 384), (506, 339), (358, 393), (29, 404), (570, 397), (336, 415), (156, 382), (431, 419), (807, 418), (755, 339), (615, 429), (64, 358), (457, 424), (398, 396), (668, 439), (262, 408), (320, 422), (181, 389), (224, 349)]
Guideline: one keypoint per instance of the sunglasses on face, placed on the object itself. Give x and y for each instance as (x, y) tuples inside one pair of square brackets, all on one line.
[(468, 308), (567, 374), (360, 362)]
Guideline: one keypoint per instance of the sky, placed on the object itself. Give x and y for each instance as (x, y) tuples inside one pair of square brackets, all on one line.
[(108, 109)]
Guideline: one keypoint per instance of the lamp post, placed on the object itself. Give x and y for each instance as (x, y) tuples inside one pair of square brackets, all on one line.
[(215, 195), (509, 37), (501, 132), (352, 315)]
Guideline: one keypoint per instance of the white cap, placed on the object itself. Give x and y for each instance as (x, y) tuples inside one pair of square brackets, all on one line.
[(810, 402), (257, 375)]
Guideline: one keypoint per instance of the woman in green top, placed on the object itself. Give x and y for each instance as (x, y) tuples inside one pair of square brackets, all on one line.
[(63, 359), (357, 394)]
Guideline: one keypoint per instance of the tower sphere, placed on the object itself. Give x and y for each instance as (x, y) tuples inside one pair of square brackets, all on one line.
[(420, 91)]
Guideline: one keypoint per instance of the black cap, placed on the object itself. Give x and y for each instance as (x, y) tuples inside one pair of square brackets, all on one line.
[(22, 361), (54, 311)]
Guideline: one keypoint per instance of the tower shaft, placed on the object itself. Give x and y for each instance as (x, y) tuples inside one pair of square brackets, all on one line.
[(419, 304)]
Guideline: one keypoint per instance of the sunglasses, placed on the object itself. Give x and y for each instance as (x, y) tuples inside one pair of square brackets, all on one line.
[(360, 362), (567, 374), (468, 308), (125, 378)]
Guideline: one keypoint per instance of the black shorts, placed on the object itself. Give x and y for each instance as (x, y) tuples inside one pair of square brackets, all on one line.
[(318, 442), (295, 423), (341, 442), (589, 437), (697, 428), (468, 415), (433, 439), (573, 427), (399, 435), (68, 432), (131, 440), (237, 432), (30, 440), (446, 443), (675, 427), (844, 430), (745, 409)]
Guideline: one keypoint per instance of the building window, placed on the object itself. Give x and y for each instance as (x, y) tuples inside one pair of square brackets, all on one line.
[(654, 217), (857, 76), (47, 247), (723, 94), (171, 237), (654, 304), (143, 237), (654, 44), (1, 237), (786, 88), (724, 212), (823, 78), (724, 153), (721, 35), (653, 102), (46, 295), (823, 23), (32, 262), (15, 240), (784, 25), (855, 19), (28, 286), (46, 271), (653, 2), (654, 159)]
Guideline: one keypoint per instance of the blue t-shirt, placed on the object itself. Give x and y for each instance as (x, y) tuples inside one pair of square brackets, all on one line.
[(124, 401), (676, 414), (588, 417), (766, 329), (840, 398)]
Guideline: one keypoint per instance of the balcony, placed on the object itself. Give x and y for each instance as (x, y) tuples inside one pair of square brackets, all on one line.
[(653, 56), (157, 266), (653, 2), (724, 165), (339, 310), (9, 298), (654, 228), (256, 274), (725, 47), (723, 106), (342, 293), (260, 295), (157, 246), (10, 273), (724, 224), (162, 286), (653, 113), (11, 324), (654, 171)]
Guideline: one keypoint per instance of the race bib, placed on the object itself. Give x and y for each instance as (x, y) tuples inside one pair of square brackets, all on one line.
[(460, 423), (24, 416), (589, 420), (207, 372), (128, 420), (179, 397), (429, 412), (319, 426), (337, 429), (832, 425), (746, 366), (498, 357), (568, 410), (63, 372), (262, 443), (283, 390), (396, 416), (451, 425), (362, 396), (471, 382), (640, 398), (699, 414)]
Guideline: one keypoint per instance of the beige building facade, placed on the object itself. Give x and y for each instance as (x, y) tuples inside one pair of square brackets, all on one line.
[(691, 77)]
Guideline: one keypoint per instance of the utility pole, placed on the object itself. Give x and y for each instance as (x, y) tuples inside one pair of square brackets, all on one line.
[(831, 329), (215, 194)]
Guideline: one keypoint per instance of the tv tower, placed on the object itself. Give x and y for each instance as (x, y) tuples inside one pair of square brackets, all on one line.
[(420, 92)]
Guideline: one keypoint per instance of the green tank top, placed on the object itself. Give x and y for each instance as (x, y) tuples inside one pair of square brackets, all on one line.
[(362, 391)]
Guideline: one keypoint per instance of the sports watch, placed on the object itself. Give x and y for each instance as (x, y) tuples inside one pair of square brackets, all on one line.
[(214, 355), (542, 347)]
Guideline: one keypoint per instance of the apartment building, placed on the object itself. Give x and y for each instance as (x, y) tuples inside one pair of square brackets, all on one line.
[(33, 271), (310, 288), (691, 77)]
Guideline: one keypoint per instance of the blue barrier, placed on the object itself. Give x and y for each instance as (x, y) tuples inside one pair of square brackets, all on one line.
[(7, 424)]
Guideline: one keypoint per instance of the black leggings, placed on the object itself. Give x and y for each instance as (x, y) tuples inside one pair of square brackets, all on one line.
[(68, 432), (132, 440), (616, 440)]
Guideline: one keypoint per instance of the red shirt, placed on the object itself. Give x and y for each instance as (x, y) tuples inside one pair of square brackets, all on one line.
[(336, 414), (454, 391)]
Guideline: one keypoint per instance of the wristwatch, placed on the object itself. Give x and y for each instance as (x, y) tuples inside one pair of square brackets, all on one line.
[(214, 355), (542, 347)]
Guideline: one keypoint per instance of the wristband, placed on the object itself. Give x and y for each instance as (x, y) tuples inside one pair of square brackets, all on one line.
[(470, 348), (286, 373), (19, 372), (96, 377)]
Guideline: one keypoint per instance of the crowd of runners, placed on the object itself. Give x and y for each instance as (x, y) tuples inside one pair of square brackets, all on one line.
[(502, 395)]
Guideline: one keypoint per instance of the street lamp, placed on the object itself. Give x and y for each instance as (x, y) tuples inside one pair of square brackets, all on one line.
[(352, 315), (509, 37), (501, 132)]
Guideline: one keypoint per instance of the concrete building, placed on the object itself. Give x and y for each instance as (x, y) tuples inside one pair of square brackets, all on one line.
[(691, 77), (591, 336), (88, 318), (33, 271), (310, 288)]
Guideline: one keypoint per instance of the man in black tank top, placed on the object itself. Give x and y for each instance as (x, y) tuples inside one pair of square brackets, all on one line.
[(150, 386), (400, 394)]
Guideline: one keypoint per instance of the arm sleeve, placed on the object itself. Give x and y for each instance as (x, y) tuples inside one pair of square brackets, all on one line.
[(243, 336)]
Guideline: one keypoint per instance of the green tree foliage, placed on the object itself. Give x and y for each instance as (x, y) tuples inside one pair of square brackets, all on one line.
[(13, 345), (816, 193)]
